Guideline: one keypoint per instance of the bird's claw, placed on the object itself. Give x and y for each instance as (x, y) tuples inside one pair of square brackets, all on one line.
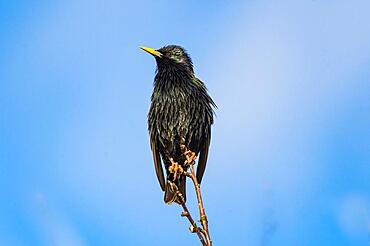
[(176, 169), (190, 157)]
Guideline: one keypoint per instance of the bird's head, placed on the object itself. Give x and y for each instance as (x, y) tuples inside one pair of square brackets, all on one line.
[(171, 57)]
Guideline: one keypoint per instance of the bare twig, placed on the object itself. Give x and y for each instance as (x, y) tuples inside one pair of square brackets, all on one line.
[(203, 233), (193, 226), (203, 218)]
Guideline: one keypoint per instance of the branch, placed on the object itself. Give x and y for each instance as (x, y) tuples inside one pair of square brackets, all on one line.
[(203, 233), (203, 218), (193, 226)]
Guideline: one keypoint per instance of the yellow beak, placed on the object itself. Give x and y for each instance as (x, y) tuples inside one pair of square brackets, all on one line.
[(151, 51)]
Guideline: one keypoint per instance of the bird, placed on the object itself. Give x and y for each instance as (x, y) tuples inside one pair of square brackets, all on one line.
[(179, 120)]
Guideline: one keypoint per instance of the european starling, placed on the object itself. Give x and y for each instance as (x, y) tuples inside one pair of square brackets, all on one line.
[(179, 119)]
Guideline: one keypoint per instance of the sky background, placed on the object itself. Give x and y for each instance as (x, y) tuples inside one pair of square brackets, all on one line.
[(289, 161)]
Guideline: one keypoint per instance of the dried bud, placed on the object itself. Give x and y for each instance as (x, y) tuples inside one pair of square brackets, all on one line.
[(191, 228)]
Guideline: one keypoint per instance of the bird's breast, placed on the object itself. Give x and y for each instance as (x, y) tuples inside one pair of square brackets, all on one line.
[(179, 111)]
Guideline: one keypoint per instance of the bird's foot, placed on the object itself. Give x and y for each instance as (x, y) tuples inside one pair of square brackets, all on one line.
[(190, 157), (175, 168)]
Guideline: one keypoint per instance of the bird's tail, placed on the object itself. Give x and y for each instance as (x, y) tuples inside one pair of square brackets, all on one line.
[(170, 195)]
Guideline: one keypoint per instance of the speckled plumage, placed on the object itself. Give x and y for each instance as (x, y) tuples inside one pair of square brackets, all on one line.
[(181, 112)]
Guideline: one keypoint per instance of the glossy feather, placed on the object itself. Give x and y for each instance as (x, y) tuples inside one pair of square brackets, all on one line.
[(181, 112)]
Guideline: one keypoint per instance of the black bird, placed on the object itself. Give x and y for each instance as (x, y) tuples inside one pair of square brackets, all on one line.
[(179, 118)]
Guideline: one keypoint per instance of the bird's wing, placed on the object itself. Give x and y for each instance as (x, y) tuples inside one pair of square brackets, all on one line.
[(203, 160), (157, 163)]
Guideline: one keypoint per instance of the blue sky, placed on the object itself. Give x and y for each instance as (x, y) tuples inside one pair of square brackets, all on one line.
[(289, 162)]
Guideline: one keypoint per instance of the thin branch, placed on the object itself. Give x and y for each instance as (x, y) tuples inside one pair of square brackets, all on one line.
[(203, 218), (203, 233), (193, 226)]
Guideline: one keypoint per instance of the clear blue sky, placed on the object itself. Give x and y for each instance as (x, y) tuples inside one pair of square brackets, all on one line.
[(290, 157)]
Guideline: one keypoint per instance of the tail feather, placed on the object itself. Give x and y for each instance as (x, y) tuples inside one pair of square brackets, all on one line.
[(170, 193)]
